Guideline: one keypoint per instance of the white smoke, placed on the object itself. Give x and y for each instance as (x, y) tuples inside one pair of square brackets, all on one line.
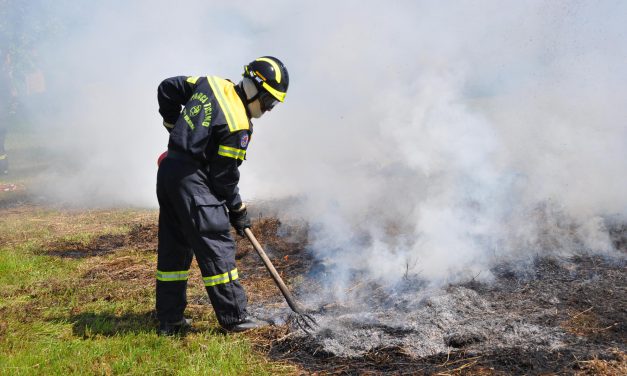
[(458, 136), (420, 138)]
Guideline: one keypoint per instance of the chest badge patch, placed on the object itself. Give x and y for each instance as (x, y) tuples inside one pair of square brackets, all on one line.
[(195, 110), (243, 142)]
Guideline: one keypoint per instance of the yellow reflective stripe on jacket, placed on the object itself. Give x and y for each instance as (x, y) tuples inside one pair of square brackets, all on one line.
[(192, 79), (181, 275), (3, 156), (227, 151), (230, 103), (220, 278)]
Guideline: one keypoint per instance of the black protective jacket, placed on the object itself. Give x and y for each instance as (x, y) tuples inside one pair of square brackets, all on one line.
[(213, 128)]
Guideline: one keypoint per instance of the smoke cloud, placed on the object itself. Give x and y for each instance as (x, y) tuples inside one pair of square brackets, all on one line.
[(417, 138)]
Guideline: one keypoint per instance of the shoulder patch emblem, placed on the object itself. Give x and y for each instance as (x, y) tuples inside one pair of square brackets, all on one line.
[(244, 140)]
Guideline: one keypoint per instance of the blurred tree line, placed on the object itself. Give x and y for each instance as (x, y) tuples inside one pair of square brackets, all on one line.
[(24, 26)]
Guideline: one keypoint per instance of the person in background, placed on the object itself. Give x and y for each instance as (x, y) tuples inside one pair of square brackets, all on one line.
[(197, 187)]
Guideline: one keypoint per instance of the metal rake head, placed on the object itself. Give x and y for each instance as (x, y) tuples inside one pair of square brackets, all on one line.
[(306, 322)]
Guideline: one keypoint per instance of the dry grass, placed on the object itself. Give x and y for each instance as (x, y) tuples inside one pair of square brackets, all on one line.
[(586, 323), (287, 257), (26, 223), (615, 367)]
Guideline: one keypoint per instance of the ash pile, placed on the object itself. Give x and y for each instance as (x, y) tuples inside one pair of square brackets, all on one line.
[(575, 305), (458, 317), (547, 313)]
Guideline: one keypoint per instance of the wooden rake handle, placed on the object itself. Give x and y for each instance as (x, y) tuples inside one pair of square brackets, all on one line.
[(277, 278)]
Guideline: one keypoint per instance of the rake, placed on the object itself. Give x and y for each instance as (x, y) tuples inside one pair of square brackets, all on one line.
[(304, 320)]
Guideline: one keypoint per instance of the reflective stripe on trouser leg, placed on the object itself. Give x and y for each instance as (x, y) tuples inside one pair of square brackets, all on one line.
[(174, 257), (221, 278), (217, 264), (182, 275)]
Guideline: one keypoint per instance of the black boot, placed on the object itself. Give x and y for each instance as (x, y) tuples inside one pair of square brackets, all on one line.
[(173, 328), (246, 324)]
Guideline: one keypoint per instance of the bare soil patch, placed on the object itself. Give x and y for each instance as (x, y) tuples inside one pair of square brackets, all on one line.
[(143, 236), (140, 237), (125, 268)]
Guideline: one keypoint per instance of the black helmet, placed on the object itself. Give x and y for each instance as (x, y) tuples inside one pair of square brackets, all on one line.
[(269, 75)]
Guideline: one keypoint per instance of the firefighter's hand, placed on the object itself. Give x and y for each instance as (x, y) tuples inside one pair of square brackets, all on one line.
[(239, 219)]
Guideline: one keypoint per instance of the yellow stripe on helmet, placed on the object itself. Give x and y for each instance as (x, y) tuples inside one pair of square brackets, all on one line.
[(277, 71), (275, 93)]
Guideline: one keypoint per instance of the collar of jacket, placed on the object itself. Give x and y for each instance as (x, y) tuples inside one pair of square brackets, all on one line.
[(242, 96)]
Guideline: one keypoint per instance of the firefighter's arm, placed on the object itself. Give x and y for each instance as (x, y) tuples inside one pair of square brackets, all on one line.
[(224, 166), (172, 94)]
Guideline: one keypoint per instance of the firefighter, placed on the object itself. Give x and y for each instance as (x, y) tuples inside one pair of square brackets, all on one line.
[(197, 187)]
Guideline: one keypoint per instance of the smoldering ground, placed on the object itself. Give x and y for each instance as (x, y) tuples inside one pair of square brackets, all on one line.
[(559, 314)]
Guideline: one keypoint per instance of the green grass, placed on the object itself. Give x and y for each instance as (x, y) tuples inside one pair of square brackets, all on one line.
[(20, 268), (94, 315), (54, 349)]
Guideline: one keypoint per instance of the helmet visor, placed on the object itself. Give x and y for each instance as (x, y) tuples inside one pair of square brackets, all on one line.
[(267, 101)]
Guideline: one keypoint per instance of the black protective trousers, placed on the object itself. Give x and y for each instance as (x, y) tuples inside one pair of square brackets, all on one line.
[(192, 221)]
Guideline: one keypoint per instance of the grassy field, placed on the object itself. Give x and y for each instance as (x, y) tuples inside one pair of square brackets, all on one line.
[(77, 297), (77, 292)]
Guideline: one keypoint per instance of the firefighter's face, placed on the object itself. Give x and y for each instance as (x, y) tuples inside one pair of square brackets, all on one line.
[(254, 108)]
